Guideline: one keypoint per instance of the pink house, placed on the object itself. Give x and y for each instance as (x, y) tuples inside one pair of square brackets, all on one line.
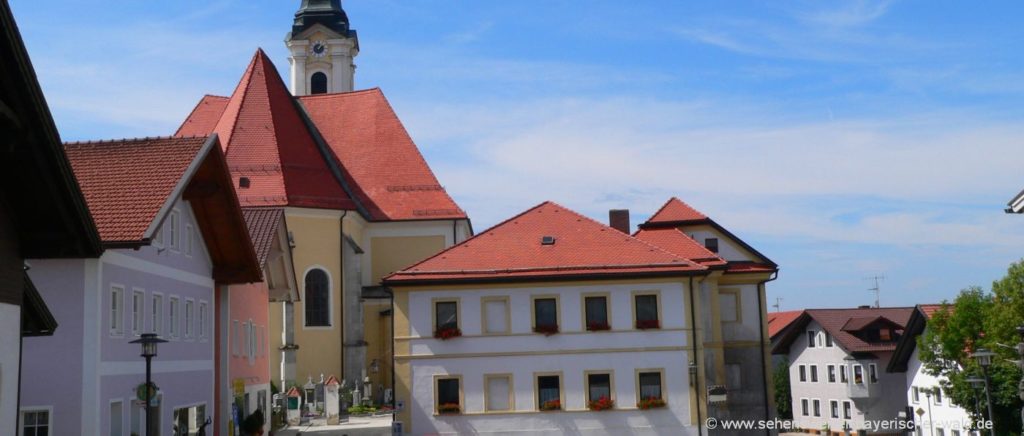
[(243, 373)]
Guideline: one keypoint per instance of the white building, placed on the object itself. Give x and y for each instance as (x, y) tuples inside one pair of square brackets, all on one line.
[(530, 326), (837, 373), (932, 408)]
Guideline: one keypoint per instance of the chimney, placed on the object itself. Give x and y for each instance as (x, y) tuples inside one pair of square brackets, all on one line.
[(618, 219)]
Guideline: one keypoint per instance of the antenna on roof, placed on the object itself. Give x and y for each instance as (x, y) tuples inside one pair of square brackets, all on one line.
[(877, 289), (778, 303)]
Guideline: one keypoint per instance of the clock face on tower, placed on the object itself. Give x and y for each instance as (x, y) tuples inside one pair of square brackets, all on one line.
[(318, 49)]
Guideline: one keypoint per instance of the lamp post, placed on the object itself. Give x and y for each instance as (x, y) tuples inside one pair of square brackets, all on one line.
[(149, 342), (984, 358), (928, 399), (977, 383)]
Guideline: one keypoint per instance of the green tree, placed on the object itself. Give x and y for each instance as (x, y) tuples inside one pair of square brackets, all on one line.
[(977, 319), (783, 400)]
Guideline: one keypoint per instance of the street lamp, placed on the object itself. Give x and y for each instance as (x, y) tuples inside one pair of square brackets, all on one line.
[(928, 399), (149, 342), (977, 383), (984, 358)]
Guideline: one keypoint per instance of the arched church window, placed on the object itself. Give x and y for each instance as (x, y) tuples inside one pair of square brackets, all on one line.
[(317, 302), (318, 83)]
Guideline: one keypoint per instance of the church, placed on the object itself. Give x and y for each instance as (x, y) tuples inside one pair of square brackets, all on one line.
[(358, 199)]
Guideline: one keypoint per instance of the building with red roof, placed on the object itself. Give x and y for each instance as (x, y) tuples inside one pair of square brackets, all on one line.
[(570, 305), (359, 199), (175, 239), (837, 365)]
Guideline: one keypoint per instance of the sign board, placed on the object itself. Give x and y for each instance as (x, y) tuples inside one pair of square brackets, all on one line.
[(396, 428), (238, 385), (717, 394)]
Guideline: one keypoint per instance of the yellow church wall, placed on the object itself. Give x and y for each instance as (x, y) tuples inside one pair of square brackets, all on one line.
[(390, 254), (317, 239)]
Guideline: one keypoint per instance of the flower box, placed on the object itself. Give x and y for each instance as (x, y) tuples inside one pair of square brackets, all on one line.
[(449, 409), (551, 405), (651, 403), (447, 333), (547, 330), (648, 324), (602, 403), (598, 326)]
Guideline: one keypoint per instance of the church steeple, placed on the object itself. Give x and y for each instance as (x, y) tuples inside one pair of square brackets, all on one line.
[(322, 46)]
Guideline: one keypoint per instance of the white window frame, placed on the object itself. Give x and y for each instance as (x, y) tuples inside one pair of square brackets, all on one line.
[(116, 310), (830, 342), (120, 402), (235, 340), (805, 407), (251, 342), (816, 407), (873, 377), (189, 239), (847, 409), (488, 395), (915, 395), (801, 373), (173, 313), (138, 313), (35, 409), (844, 375), (863, 376), (173, 220), (834, 412), (156, 309), (204, 309), (812, 339), (937, 395), (830, 374), (190, 318), (814, 373)]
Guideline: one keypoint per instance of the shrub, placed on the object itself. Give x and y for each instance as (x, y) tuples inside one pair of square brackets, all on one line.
[(651, 403), (447, 333), (602, 403)]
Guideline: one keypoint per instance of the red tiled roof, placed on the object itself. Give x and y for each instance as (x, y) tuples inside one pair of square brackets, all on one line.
[(675, 241), (267, 141), (263, 225), (777, 321), (127, 182), (833, 321), (394, 181), (931, 309), (676, 210), (513, 249)]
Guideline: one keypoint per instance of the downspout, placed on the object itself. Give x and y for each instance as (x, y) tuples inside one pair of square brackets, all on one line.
[(696, 362), (764, 364), (341, 289)]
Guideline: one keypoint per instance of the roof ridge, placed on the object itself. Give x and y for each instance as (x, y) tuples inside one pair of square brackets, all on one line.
[(688, 261), (663, 206), (340, 93), (125, 140)]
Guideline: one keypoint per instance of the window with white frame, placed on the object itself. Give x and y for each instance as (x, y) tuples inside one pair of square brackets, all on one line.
[(189, 238), (190, 315), (843, 378), (138, 311), (498, 392), (172, 230), (828, 340), (814, 373), (817, 407), (938, 395), (831, 373), (847, 413), (173, 317), (915, 394), (252, 339), (858, 374), (202, 319), (156, 313), (117, 418), (804, 407), (873, 373), (811, 340), (803, 373), (496, 315), (35, 423), (833, 407), (235, 349), (116, 310)]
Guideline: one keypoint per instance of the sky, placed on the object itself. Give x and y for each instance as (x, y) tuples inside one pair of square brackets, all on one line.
[(844, 140)]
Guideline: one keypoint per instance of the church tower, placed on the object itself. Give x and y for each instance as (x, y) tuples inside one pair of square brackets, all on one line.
[(323, 49)]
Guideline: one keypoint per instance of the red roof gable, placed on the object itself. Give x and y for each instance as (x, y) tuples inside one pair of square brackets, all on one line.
[(267, 141), (674, 240), (676, 210), (930, 309), (582, 247), (777, 321), (127, 182), (833, 321), (394, 181)]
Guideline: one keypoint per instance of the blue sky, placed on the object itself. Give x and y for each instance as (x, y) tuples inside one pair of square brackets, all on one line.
[(842, 139)]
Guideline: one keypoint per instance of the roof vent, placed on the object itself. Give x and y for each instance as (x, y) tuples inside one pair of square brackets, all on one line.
[(547, 240), (243, 182), (864, 307)]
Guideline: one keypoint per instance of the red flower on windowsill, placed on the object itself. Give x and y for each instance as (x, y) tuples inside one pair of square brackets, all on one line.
[(597, 326), (646, 324), (447, 333), (449, 409), (602, 403), (551, 405), (548, 330), (651, 403)]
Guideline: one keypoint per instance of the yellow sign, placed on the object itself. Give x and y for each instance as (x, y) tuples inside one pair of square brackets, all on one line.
[(239, 385)]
